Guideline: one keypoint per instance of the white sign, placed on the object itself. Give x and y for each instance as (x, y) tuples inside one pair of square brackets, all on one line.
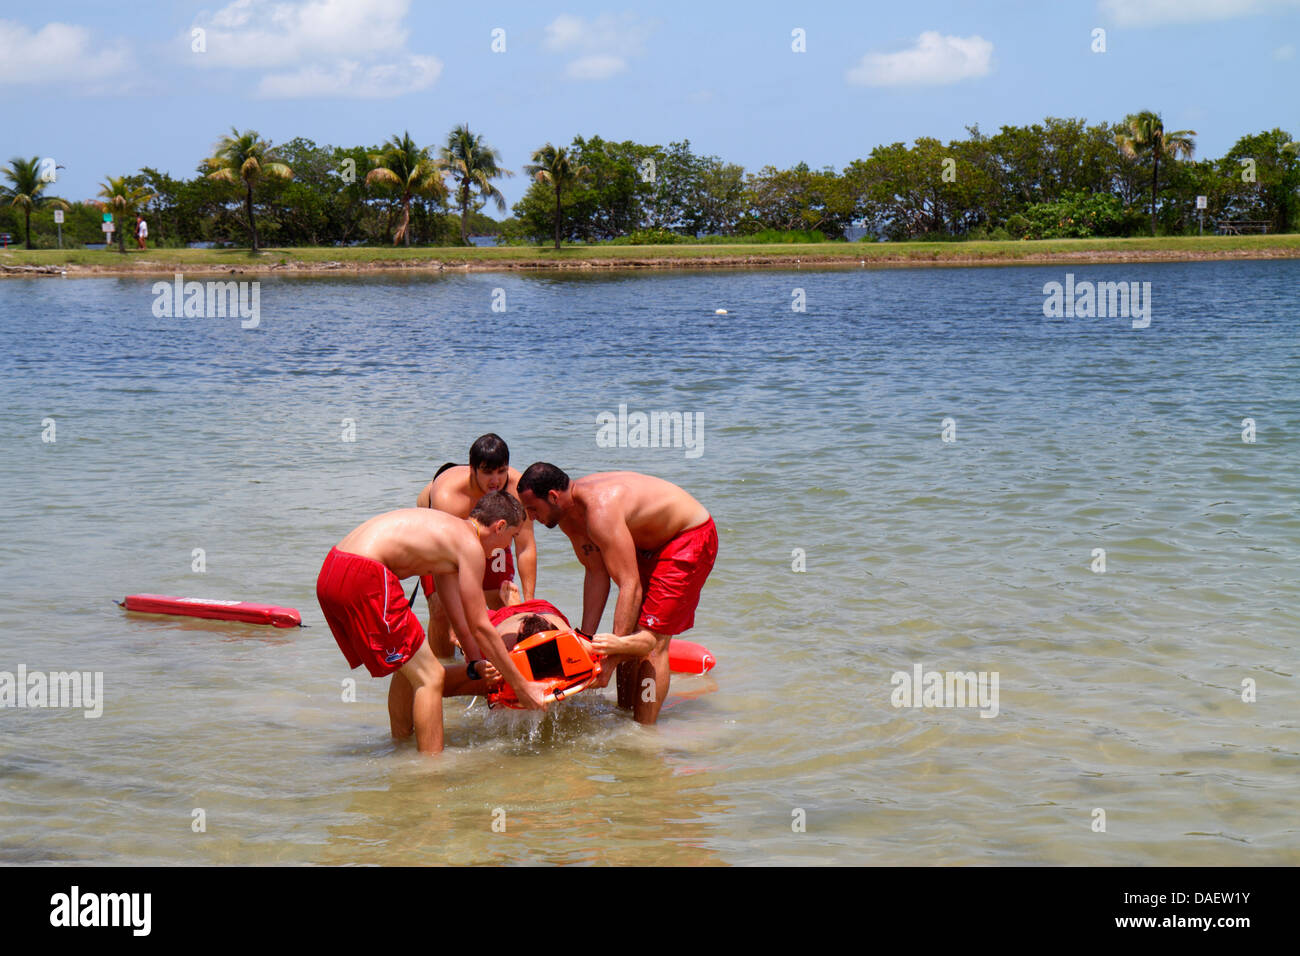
[(1200, 202), (107, 227), (58, 216)]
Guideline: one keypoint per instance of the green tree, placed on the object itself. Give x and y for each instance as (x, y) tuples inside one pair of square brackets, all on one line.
[(901, 192), (412, 171), (124, 199), (473, 165), (692, 194), (552, 167), (26, 190), (801, 199), (245, 158), (1143, 134), (1275, 192)]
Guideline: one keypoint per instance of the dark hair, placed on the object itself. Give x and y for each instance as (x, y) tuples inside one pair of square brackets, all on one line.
[(542, 478), (534, 624), (489, 452), (496, 505)]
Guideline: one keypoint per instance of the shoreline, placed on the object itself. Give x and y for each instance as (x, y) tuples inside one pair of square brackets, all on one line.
[(369, 260)]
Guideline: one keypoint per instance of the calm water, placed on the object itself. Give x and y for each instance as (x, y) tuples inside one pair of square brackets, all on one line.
[(1119, 691)]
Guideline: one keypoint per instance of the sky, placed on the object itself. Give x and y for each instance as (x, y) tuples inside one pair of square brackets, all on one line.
[(105, 89)]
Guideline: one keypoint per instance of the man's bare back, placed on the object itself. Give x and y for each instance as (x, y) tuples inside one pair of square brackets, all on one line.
[(654, 511), (416, 541)]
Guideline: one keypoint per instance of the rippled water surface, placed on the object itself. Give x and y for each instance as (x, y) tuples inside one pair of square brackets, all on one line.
[(1120, 691)]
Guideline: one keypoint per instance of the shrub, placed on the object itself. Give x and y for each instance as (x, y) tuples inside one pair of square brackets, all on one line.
[(650, 237), (766, 236), (1076, 215)]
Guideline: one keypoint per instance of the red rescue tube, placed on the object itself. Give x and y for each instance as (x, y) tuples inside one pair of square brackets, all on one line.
[(242, 611), (687, 657)]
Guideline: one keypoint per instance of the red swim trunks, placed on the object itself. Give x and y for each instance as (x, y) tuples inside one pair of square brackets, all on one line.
[(367, 612), (672, 577), (492, 580), (535, 606)]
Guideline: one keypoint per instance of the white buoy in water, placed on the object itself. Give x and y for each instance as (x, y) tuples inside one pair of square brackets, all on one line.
[(719, 311)]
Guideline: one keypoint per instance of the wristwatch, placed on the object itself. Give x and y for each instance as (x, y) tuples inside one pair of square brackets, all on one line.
[(471, 670)]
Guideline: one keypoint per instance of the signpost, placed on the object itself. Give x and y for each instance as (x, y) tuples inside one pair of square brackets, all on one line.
[(108, 228), (1200, 211), (58, 221)]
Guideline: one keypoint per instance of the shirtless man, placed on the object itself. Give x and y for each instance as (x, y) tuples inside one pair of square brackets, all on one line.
[(360, 592), (455, 489), (655, 541)]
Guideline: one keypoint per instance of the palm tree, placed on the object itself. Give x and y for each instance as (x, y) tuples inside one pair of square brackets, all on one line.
[(411, 169), (26, 189), (245, 157), (124, 200), (473, 165), (1145, 133), (552, 166)]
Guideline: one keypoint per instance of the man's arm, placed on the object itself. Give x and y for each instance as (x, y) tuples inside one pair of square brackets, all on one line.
[(453, 606), (479, 639), (595, 584), (526, 558), (425, 499), (444, 498), (609, 532)]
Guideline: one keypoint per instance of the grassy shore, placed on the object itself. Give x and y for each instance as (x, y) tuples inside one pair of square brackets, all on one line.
[(329, 259)]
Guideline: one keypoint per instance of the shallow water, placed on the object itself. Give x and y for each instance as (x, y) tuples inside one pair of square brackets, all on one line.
[(1119, 691)]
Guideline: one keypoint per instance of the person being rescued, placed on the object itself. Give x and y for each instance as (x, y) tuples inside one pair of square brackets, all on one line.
[(514, 624)]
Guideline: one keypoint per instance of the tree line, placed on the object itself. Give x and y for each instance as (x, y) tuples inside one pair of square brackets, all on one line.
[(1062, 178)]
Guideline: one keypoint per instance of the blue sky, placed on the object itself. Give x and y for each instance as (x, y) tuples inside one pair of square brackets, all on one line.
[(106, 89)]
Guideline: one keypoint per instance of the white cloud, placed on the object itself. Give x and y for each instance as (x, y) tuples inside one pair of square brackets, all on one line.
[(1285, 52), (935, 60), (565, 32), (1150, 12), (271, 33), (599, 66), (351, 48), (601, 46), (349, 78), (56, 54)]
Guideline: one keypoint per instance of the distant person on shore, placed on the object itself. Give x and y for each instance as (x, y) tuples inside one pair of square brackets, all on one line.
[(455, 489), (141, 231), (360, 592), (655, 541)]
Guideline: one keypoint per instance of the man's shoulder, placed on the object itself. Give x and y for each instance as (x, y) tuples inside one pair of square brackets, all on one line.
[(450, 495), (601, 480), (450, 474), (449, 529)]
